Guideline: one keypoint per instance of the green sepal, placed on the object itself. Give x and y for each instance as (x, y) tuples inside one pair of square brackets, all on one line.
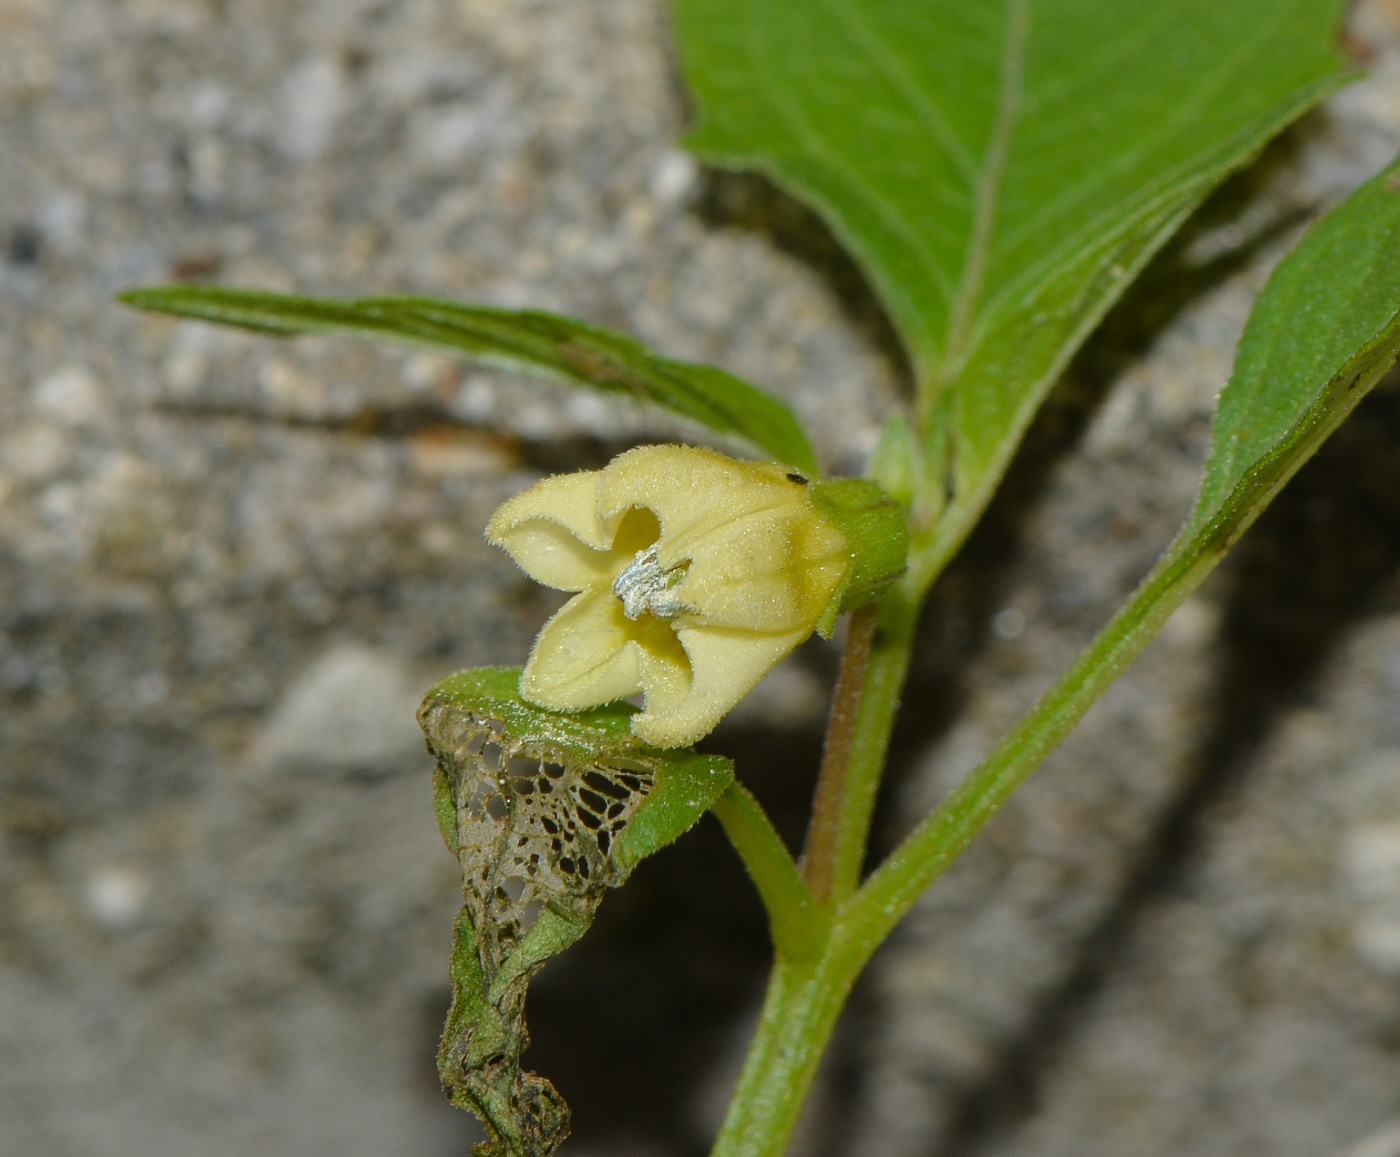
[(877, 537)]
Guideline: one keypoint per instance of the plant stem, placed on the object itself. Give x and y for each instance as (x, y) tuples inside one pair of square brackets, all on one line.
[(868, 743), (807, 989), (942, 836), (800, 1009), (805, 996), (806, 992), (824, 831), (795, 920)]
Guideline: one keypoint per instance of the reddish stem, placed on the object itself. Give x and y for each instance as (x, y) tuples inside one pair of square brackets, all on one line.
[(823, 834)]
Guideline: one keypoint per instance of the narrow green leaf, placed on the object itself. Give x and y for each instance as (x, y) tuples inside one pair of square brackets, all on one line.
[(545, 812), (1325, 329), (1001, 168), (526, 341)]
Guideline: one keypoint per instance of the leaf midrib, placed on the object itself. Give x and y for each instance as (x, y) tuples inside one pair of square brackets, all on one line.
[(988, 190), (1170, 185)]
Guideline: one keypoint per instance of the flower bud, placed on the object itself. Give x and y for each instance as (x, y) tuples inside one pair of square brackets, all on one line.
[(694, 573)]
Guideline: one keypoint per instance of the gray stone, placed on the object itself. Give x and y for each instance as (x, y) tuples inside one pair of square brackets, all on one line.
[(352, 708), (229, 565)]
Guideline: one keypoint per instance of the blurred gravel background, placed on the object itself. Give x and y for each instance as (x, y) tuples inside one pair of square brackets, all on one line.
[(229, 567)]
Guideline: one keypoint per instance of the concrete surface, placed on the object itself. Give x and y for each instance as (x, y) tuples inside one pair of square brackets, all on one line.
[(229, 566)]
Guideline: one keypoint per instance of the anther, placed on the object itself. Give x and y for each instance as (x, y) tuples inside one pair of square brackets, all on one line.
[(645, 586)]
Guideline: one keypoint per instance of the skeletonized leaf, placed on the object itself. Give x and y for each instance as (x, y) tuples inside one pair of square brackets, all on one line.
[(526, 341), (545, 812), (1001, 168)]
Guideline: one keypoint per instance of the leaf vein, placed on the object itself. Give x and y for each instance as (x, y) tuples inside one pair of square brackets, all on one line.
[(1187, 113), (993, 173), (818, 149), (925, 109)]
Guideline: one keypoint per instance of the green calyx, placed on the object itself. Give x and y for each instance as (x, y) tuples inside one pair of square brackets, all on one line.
[(877, 537)]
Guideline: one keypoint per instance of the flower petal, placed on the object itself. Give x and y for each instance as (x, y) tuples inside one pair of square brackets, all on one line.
[(772, 570), (664, 666), (554, 534), (725, 665), (584, 656), (692, 491)]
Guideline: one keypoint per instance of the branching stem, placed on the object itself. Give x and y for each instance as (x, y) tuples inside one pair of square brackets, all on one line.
[(805, 996)]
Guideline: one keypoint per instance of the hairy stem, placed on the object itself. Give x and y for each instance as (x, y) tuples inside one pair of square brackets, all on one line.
[(806, 992), (819, 857), (890, 647), (942, 836), (800, 1009), (795, 919)]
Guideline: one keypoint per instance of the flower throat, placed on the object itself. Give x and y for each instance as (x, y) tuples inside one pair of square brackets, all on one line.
[(646, 587)]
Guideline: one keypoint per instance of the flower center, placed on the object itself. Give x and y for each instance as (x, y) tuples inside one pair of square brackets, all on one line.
[(645, 586)]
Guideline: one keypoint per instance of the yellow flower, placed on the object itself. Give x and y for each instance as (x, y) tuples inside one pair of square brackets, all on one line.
[(695, 573)]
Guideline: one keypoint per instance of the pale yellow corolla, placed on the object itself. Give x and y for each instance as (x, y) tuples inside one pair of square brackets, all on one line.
[(694, 574)]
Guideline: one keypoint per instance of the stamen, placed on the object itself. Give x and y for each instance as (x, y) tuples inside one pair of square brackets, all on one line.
[(645, 586)]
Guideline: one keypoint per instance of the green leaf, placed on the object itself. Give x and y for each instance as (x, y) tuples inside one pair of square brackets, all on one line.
[(1324, 330), (544, 811), (1001, 168), (526, 341)]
